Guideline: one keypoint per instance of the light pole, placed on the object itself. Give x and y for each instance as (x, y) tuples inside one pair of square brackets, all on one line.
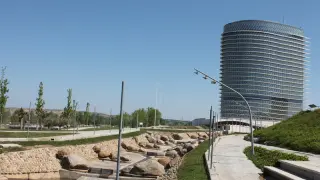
[(213, 81), (120, 133)]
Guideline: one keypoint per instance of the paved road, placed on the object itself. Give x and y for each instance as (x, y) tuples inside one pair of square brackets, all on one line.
[(80, 135), (229, 161)]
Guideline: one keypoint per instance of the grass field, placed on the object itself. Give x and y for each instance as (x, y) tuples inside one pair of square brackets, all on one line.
[(78, 141), (300, 132), (264, 157), (31, 134), (193, 166)]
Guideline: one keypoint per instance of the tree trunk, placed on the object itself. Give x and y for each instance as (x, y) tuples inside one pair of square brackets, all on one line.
[(21, 124)]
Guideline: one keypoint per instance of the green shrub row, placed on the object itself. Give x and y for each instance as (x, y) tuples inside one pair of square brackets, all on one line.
[(264, 157)]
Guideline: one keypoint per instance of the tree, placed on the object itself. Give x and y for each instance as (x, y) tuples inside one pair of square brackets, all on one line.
[(87, 113), (67, 111), (40, 112), (3, 93), (21, 114), (151, 115), (139, 114)]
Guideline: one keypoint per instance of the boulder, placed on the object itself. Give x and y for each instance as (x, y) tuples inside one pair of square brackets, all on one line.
[(201, 141), (125, 158), (160, 142), (169, 143), (149, 133), (142, 150), (142, 144), (113, 155), (156, 153), (194, 142), (62, 153), (164, 138), (136, 139), (151, 139), (104, 153), (149, 145), (193, 136), (125, 145), (96, 148), (190, 147), (184, 151), (150, 167), (132, 148), (179, 150), (126, 170), (172, 153), (186, 145), (177, 136), (156, 146), (171, 139), (73, 161), (164, 161), (173, 162)]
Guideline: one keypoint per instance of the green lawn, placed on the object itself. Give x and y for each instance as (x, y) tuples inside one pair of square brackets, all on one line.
[(264, 157), (31, 134), (99, 128), (300, 132), (78, 141), (193, 166)]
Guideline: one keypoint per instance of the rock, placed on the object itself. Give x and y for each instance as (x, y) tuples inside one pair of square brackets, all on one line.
[(104, 153), (190, 147), (125, 158), (171, 139), (201, 141), (151, 139), (184, 151), (169, 143), (173, 162), (124, 145), (132, 148), (172, 153), (113, 155), (149, 133), (193, 136), (142, 150), (179, 150), (164, 161), (164, 138), (177, 136), (194, 142), (3, 177), (156, 146), (160, 142), (150, 167), (62, 153), (149, 145), (156, 153), (186, 145), (73, 161), (126, 170), (136, 139), (96, 148), (142, 144)]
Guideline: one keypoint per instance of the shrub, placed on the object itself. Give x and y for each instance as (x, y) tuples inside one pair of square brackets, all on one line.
[(301, 132), (264, 157)]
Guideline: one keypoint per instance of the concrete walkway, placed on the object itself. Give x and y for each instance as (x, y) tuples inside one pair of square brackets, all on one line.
[(229, 161), (80, 135)]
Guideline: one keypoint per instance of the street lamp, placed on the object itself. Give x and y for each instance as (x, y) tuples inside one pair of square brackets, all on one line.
[(214, 81)]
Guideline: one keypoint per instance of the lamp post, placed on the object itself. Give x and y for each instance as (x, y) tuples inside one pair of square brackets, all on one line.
[(214, 81)]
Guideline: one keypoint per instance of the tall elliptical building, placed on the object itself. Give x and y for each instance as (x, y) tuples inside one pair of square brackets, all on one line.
[(265, 62)]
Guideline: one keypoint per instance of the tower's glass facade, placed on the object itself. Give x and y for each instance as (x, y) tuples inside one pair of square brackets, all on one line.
[(265, 62)]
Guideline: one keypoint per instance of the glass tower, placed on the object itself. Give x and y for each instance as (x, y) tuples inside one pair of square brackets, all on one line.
[(265, 62)]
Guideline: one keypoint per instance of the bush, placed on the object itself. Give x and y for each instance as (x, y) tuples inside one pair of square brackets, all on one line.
[(264, 157), (300, 132)]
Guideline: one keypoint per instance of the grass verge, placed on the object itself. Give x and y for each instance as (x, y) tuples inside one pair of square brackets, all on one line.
[(193, 166), (264, 157), (31, 134), (11, 149), (78, 141)]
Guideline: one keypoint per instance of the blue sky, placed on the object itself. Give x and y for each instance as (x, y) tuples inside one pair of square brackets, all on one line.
[(91, 46)]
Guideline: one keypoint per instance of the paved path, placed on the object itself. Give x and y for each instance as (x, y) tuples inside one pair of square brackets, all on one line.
[(229, 161), (80, 135)]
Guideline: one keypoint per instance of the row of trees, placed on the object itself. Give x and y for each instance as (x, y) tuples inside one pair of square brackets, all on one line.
[(70, 116)]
